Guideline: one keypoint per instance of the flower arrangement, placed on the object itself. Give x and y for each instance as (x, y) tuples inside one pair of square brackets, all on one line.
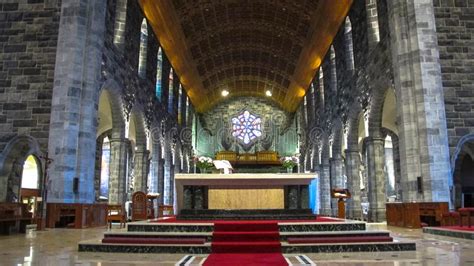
[(289, 162), (204, 162)]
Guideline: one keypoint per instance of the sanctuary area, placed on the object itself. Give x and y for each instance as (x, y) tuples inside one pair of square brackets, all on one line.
[(236, 132)]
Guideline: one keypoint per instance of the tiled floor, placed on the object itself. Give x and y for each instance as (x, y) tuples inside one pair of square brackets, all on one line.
[(59, 247)]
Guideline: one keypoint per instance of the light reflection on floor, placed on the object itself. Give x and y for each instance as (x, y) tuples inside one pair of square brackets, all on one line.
[(59, 247)]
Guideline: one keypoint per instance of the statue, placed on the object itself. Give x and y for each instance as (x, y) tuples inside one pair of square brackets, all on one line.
[(11, 196), (14, 181)]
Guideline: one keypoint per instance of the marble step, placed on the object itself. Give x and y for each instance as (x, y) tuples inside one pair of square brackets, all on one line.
[(337, 239), (155, 234), (96, 246), (287, 248), (283, 227), (155, 240), (336, 233)]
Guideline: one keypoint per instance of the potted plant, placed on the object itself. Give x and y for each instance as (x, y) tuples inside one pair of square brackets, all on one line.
[(289, 162), (204, 163)]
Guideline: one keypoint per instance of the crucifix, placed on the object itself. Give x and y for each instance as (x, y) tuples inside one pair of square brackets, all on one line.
[(41, 223)]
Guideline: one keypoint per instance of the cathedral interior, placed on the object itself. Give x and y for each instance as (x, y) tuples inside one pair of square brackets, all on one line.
[(101, 100)]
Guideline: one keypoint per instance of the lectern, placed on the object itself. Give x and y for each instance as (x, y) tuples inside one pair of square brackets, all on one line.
[(341, 194)]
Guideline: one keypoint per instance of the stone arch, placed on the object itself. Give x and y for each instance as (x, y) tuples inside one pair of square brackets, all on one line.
[(11, 163), (389, 112), (464, 150), (353, 126), (459, 148), (337, 135), (137, 127), (376, 110), (111, 92)]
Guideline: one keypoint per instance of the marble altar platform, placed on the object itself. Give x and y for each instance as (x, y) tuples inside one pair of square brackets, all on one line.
[(182, 237)]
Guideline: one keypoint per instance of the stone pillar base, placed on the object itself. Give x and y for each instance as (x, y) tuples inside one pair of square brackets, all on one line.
[(355, 214), (377, 215), (325, 212)]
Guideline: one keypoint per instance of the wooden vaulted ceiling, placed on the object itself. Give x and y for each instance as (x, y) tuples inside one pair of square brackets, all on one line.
[(245, 46)]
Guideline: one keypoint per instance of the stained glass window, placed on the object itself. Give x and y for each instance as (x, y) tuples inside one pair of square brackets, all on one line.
[(143, 49), (170, 92), (246, 127), (159, 64)]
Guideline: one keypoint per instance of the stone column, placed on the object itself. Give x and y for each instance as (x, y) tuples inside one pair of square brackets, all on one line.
[(304, 197), (396, 164), (376, 176), (353, 179), (185, 159), (324, 189), (168, 175), (161, 180), (141, 170), (337, 180), (291, 197), (118, 170), (423, 135), (154, 161), (73, 121), (177, 160)]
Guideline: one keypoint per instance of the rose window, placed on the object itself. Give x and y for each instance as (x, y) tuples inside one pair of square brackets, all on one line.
[(246, 127)]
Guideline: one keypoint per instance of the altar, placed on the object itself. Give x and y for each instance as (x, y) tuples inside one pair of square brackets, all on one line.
[(242, 191)]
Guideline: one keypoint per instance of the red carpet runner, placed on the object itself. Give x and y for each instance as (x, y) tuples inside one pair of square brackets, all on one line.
[(246, 243)]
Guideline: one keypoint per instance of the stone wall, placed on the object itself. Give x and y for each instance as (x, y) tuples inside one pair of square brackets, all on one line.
[(455, 32), (28, 40)]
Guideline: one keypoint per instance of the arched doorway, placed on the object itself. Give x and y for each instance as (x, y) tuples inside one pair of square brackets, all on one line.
[(104, 170), (391, 148), (103, 153), (363, 133), (30, 183), (464, 176), (467, 182)]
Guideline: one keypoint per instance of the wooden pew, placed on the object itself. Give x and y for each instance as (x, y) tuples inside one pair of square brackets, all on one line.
[(415, 214), (76, 215), (14, 217)]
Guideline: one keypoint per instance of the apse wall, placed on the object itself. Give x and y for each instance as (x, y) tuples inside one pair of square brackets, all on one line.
[(214, 129)]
